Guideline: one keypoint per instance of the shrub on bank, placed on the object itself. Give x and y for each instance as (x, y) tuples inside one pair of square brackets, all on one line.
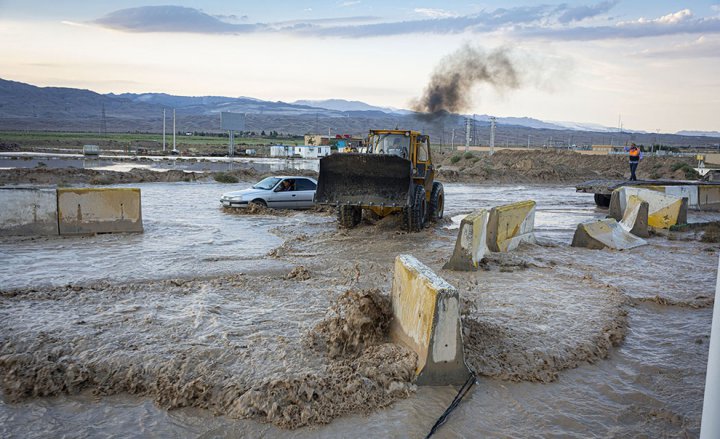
[(222, 177), (690, 173)]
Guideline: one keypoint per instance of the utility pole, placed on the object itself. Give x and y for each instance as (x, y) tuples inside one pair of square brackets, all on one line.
[(103, 127), (163, 130), (474, 131), (657, 142), (528, 141), (452, 140), (492, 135), (231, 148), (467, 134), (174, 132)]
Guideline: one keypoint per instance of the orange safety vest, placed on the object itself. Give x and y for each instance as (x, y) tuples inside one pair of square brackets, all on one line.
[(634, 154)]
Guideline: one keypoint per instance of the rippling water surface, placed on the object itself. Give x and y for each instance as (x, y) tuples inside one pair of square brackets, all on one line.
[(651, 384)]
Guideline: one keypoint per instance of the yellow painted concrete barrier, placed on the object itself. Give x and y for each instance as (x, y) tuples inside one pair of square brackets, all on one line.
[(99, 210), (426, 318), (470, 246), (28, 211), (663, 210), (635, 218), (605, 233), (510, 225)]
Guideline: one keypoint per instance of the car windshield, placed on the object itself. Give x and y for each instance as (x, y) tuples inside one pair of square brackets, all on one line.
[(266, 183)]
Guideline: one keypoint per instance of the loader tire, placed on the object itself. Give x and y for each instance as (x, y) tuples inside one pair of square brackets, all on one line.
[(602, 200), (414, 216), (437, 202), (349, 216)]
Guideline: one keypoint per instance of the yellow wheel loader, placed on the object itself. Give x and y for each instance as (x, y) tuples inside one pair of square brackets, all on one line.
[(395, 174)]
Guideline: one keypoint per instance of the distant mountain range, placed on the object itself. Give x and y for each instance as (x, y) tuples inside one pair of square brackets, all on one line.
[(699, 133), (27, 107), (344, 106)]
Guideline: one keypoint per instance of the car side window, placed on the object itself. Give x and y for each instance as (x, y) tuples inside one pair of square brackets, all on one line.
[(303, 184), (287, 185)]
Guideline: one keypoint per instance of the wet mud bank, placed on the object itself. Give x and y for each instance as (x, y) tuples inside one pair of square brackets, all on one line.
[(548, 166), (71, 176)]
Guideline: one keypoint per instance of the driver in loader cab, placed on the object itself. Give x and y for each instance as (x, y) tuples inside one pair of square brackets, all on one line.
[(398, 149)]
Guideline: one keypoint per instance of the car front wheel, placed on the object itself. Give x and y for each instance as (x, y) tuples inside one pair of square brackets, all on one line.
[(259, 202)]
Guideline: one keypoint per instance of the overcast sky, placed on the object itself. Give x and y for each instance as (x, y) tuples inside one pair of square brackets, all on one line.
[(655, 64)]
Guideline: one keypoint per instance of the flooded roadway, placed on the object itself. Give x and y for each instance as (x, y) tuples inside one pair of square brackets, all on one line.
[(548, 300)]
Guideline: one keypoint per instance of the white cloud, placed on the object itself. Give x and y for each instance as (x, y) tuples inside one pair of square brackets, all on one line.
[(171, 19), (673, 18), (434, 13), (554, 22), (350, 3)]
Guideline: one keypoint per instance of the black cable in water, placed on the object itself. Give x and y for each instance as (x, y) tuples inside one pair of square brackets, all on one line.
[(453, 405)]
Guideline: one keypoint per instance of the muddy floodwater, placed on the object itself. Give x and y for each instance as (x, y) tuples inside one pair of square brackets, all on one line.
[(215, 323)]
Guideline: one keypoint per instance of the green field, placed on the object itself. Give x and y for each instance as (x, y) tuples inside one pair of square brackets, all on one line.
[(41, 139)]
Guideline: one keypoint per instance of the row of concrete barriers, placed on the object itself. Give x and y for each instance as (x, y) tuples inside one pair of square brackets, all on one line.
[(69, 211), (633, 213), (426, 308)]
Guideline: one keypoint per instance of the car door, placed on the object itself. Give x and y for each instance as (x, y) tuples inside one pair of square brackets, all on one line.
[(305, 193), (283, 199)]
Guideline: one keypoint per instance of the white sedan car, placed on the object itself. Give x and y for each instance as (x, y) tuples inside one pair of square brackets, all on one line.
[(283, 192)]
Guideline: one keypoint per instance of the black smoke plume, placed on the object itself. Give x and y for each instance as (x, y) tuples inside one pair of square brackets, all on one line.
[(449, 90)]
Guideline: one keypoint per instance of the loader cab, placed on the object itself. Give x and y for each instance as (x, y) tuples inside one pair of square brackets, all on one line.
[(410, 145), (422, 157), (392, 144)]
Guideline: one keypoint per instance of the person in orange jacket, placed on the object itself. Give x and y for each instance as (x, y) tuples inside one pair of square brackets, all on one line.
[(635, 155)]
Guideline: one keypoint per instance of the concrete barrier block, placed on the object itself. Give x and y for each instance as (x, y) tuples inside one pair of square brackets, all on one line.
[(510, 225), (709, 197), (426, 318), (689, 191), (635, 219), (99, 210), (28, 211), (663, 210), (470, 246), (605, 233), (616, 209)]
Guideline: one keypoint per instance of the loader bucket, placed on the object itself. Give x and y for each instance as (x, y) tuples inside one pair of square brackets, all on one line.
[(364, 180)]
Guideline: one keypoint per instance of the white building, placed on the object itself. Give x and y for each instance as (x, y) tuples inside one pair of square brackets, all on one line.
[(281, 151), (312, 152)]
